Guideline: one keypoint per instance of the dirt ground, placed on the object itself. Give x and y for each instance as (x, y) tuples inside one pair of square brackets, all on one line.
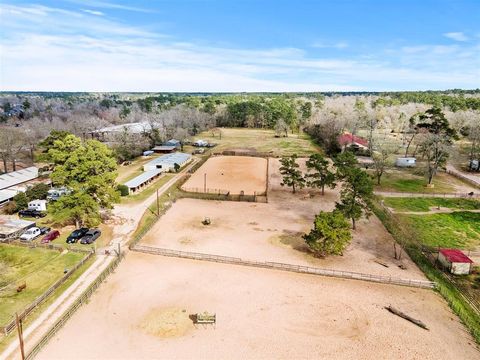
[(261, 314), (231, 173), (273, 231)]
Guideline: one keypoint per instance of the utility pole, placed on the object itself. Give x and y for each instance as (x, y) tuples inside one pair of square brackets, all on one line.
[(205, 183), (20, 335), (158, 205)]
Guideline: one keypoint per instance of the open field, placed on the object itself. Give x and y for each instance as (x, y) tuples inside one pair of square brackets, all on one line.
[(409, 180), (254, 321), (261, 141), (38, 268), (424, 204), (457, 229), (230, 173)]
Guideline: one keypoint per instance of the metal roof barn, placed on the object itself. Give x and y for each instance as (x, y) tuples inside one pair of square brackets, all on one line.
[(166, 162), (142, 179), (11, 228), (18, 177)]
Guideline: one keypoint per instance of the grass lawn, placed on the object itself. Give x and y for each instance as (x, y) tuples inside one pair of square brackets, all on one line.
[(4, 341), (126, 173), (424, 204), (457, 230), (261, 141), (38, 268), (410, 181)]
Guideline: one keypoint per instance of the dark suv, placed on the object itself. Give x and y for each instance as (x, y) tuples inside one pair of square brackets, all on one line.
[(76, 235), (31, 213), (90, 236)]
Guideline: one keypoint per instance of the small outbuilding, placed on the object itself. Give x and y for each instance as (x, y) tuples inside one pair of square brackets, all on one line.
[(406, 162), (39, 205), (11, 228), (164, 149), (455, 261), (173, 142)]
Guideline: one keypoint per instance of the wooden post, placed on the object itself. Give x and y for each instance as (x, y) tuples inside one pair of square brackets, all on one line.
[(205, 183), (158, 205), (20, 335)]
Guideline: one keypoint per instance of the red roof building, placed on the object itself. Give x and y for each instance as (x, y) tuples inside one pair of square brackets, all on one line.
[(455, 260), (347, 139)]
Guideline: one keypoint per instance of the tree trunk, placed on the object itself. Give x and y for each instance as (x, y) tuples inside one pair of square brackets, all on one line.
[(354, 227), (293, 188), (5, 168), (14, 165), (323, 189)]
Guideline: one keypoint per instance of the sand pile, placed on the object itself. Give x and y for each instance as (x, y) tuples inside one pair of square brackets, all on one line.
[(167, 322)]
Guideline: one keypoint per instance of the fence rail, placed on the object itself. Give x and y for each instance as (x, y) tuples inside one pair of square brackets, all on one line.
[(426, 194), (462, 177), (35, 244), (7, 329), (285, 267), (74, 307)]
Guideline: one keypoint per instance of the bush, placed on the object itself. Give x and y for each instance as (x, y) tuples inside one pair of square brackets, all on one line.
[(38, 191), (123, 189), (10, 208), (21, 201)]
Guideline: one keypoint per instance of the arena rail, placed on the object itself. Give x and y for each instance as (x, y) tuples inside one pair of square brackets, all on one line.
[(7, 329), (426, 195), (73, 308), (285, 267)]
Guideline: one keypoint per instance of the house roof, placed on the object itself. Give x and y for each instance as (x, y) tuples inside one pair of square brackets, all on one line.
[(348, 138), (142, 178), (135, 128), (173, 141), (455, 256), (17, 177)]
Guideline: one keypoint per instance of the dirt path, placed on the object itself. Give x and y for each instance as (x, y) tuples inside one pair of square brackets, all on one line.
[(127, 219)]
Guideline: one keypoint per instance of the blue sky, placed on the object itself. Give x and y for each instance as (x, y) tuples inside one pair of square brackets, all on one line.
[(242, 45)]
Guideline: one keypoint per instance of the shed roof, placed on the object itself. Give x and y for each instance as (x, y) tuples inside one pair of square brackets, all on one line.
[(10, 225), (170, 159), (18, 177), (7, 194), (455, 256), (135, 128), (164, 148), (142, 178)]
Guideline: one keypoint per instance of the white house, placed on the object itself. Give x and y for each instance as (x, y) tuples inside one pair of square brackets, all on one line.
[(455, 261), (39, 205), (406, 162)]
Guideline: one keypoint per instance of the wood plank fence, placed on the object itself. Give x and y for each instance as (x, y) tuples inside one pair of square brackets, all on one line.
[(8, 328), (73, 308), (285, 267)]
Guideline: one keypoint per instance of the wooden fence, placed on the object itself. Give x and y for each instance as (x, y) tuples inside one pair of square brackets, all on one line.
[(36, 244), (285, 267), (464, 178), (42, 298), (427, 194), (73, 308)]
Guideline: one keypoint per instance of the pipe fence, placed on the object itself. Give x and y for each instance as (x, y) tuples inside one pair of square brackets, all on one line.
[(285, 267)]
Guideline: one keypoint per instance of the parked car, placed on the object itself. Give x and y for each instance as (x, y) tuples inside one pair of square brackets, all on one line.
[(76, 235), (30, 234), (52, 235), (90, 236), (31, 213), (44, 230)]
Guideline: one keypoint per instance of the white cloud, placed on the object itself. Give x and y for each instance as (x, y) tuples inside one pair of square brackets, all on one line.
[(457, 36), (58, 50), (326, 44), (93, 12)]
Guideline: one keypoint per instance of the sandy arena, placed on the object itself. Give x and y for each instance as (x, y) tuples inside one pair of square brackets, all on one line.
[(142, 311), (230, 173), (261, 314)]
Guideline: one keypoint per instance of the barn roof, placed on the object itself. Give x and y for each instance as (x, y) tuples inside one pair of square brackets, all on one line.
[(348, 138), (142, 178), (455, 256), (17, 177), (170, 159)]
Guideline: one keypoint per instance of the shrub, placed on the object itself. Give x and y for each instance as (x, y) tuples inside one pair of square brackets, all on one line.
[(10, 208), (38, 191), (21, 201), (123, 189)]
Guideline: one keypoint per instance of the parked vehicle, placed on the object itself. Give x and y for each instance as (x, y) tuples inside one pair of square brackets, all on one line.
[(52, 235), (30, 234), (39, 205), (44, 230), (55, 194), (31, 213), (90, 236), (76, 235)]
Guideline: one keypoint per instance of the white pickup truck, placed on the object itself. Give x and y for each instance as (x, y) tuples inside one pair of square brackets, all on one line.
[(30, 234)]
